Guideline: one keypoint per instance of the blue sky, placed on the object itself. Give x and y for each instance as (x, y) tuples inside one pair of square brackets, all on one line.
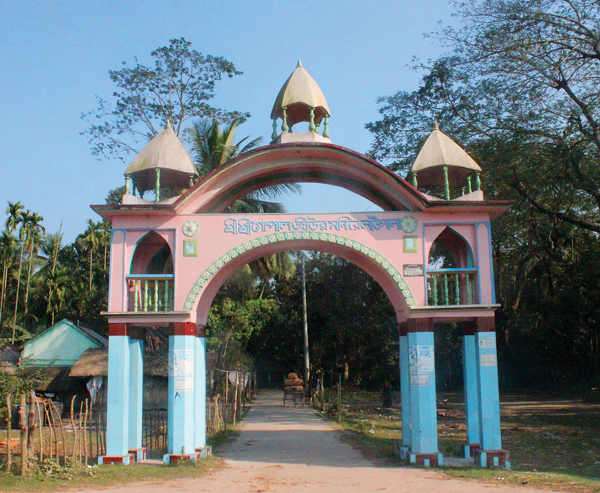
[(56, 56)]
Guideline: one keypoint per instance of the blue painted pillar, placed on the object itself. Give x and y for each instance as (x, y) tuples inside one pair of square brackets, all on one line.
[(200, 383), (117, 408), (490, 452), (182, 368), (421, 365), (489, 397), (136, 386), (471, 393), (404, 390)]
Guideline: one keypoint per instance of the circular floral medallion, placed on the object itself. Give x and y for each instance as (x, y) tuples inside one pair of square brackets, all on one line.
[(408, 224), (190, 228)]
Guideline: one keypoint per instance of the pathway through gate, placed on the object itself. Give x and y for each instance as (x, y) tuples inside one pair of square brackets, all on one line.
[(291, 449)]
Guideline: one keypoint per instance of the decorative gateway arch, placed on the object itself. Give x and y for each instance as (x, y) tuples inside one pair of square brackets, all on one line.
[(432, 256)]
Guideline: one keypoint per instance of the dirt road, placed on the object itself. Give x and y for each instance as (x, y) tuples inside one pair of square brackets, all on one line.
[(292, 449)]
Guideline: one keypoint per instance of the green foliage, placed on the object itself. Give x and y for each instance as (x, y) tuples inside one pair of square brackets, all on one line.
[(232, 323), (177, 86), (350, 322), (518, 89), (14, 383)]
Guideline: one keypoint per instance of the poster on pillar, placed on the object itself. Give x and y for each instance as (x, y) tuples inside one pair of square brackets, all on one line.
[(420, 364), (181, 367)]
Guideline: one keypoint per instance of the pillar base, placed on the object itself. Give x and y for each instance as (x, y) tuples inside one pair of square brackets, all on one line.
[(174, 458), (492, 458), (138, 453), (204, 452), (402, 451), (428, 460), (116, 459), (467, 450)]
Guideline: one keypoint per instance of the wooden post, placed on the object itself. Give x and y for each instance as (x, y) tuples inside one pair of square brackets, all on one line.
[(73, 427), (79, 439), (41, 422), (322, 393), (32, 425), (235, 399), (50, 427), (226, 398), (339, 388), (24, 430), (8, 428), (85, 447)]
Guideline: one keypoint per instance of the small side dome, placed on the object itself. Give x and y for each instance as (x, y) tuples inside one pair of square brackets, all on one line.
[(300, 100), (164, 162), (441, 162)]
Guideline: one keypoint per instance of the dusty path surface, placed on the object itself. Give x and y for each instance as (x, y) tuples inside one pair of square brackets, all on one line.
[(291, 449)]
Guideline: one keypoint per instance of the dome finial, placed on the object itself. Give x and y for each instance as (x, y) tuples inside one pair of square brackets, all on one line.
[(168, 125), (435, 125), (301, 100)]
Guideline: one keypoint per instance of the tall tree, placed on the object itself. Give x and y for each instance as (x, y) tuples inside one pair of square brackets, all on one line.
[(32, 239), (7, 251), (51, 246), (519, 89), (25, 218), (90, 241), (177, 87)]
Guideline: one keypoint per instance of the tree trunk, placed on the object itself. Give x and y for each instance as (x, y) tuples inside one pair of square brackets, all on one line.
[(32, 425), (4, 281), (91, 253), (17, 295), (28, 277), (8, 427), (23, 424)]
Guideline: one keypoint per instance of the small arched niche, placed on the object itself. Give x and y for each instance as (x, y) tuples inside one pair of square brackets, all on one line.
[(152, 256), (151, 281), (451, 271)]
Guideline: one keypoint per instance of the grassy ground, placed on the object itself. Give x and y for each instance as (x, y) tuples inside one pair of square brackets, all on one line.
[(105, 476), (49, 477), (553, 442)]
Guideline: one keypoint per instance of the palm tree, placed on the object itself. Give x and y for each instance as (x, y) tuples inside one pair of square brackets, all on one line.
[(214, 145), (90, 241), (51, 246), (14, 211), (7, 251), (24, 219), (57, 282), (32, 240)]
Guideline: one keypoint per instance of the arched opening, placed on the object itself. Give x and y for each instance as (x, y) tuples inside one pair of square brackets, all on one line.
[(352, 324), (451, 271), (150, 282)]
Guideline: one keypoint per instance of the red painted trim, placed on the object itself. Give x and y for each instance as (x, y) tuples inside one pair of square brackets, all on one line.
[(503, 456), (433, 459), (117, 329), (184, 329), (486, 324), (117, 459), (419, 325), (402, 329)]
